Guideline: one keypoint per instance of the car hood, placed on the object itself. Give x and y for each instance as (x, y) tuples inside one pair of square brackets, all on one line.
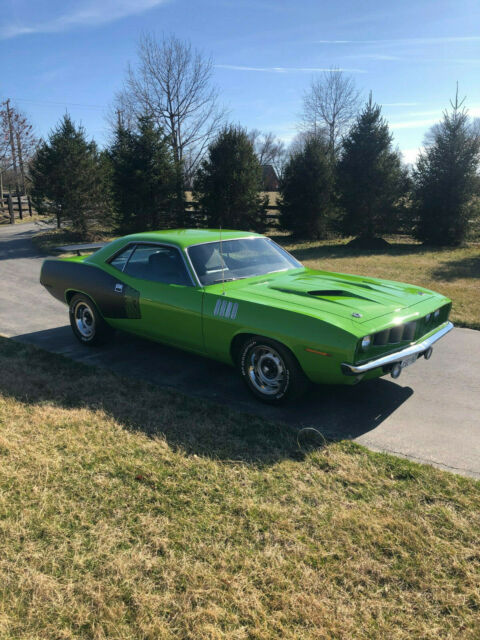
[(355, 297)]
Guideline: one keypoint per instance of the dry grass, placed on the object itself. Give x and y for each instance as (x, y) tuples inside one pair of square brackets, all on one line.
[(272, 197), (130, 512), (48, 241), (453, 272), (26, 219)]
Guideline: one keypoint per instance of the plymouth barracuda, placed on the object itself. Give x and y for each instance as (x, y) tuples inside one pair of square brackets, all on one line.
[(240, 298)]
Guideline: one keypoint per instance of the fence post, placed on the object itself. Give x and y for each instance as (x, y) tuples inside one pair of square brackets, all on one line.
[(2, 202), (29, 206), (19, 200), (10, 208)]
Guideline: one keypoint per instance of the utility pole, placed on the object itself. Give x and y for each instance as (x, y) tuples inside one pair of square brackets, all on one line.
[(20, 162), (2, 204), (14, 158)]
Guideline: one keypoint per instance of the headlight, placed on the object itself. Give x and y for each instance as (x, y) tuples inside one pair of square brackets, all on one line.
[(366, 342), (428, 317), (436, 314)]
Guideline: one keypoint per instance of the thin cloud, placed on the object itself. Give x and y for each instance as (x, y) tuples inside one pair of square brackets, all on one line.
[(413, 124), (235, 67), (438, 40), (473, 111), (399, 104), (375, 56), (91, 14), (426, 112), (465, 60)]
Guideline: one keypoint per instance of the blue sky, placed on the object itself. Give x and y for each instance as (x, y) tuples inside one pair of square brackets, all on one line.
[(71, 55)]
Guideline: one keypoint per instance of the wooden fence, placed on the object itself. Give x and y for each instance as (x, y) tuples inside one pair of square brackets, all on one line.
[(14, 207), (272, 208)]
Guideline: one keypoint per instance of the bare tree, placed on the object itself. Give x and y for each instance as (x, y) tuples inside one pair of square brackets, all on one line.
[(17, 146), (297, 145), (331, 103), (432, 134), (476, 127), (172, 82), (269, 149)]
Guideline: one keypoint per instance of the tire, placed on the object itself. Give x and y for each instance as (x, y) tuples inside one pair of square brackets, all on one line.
[(87, 324), (270, 371)]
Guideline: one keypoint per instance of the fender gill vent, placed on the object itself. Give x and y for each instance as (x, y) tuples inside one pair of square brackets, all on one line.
[(225, 309)]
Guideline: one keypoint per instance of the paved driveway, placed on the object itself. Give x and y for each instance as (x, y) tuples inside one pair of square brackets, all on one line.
[(431, 414)]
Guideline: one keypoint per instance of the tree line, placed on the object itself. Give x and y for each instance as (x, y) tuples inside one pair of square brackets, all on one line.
[(341, 175)]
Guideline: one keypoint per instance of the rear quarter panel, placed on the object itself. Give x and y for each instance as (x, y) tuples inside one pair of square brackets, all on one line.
[(60, 277)]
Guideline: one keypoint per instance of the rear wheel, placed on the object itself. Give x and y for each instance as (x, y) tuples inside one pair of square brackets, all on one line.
[(270, 370), (87, 324)]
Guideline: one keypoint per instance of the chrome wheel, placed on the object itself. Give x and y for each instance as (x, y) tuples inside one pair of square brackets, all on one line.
[(84, 320), (266, 370)]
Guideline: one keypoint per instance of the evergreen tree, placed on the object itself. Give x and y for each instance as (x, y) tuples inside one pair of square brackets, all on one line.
[(445, 179), (229, 181), (307, 189), (371, 179), (69, 178), (144, 178)]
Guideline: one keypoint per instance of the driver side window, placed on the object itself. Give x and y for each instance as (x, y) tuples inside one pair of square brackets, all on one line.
[(156, 263)]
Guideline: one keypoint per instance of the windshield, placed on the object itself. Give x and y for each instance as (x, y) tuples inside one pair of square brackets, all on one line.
[(242, 258)]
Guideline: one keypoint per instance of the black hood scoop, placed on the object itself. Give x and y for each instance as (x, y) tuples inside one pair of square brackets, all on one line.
[(323, 293), (332, 292)]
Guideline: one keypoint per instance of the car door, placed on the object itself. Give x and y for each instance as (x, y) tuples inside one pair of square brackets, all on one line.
[(170, 303)]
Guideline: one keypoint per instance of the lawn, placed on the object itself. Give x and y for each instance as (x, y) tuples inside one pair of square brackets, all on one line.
[(26, 219), (47, 241), (453, 272), (132, 512)]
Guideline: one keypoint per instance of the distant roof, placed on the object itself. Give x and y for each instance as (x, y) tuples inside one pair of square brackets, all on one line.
[(270, 178), (188, 237)]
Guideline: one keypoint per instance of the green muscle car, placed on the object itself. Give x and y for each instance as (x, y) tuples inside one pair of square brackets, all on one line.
[(240, 298)]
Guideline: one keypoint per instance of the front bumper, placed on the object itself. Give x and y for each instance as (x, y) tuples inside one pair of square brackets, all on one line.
[(398, 356)]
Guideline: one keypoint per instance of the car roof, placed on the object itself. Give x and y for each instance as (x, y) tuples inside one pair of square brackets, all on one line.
[(188, 237)]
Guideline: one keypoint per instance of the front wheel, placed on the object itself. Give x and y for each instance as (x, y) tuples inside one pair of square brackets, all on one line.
[(270, 371), (87, 324)]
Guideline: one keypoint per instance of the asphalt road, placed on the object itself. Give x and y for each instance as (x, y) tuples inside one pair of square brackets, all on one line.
[(430, 414)]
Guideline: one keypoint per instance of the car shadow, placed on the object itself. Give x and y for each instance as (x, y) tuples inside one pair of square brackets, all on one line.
[(334, 412)]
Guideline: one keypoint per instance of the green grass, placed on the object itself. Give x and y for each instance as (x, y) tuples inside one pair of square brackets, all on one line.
[(132, 512), (453, 272)]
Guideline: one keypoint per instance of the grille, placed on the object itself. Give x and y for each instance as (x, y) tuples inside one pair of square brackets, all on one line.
[(400, 333)]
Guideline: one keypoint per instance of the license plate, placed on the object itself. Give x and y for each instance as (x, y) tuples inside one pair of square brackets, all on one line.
[(408, 361)]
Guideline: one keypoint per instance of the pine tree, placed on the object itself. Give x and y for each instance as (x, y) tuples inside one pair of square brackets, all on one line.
[(144, 177), (228, 184), (69, 178), (307, 190), (445, 179), (370, 176)]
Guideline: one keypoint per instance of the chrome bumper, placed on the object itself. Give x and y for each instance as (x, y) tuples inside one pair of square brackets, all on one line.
[(398, 356)]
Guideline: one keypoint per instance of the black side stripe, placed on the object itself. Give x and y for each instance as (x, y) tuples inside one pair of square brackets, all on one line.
[(58, 276)]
